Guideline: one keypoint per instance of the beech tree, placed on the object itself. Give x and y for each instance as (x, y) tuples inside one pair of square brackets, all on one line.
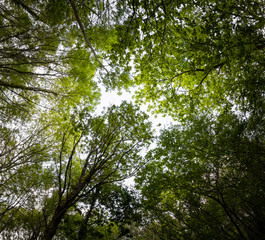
[(88, 152), (205, 180)]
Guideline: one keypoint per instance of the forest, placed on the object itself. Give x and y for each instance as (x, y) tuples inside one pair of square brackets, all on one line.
[(64, 165)]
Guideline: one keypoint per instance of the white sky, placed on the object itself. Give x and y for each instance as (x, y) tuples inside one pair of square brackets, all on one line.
[(112, 97)]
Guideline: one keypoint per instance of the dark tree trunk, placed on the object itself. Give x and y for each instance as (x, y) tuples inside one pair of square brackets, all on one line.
[(54, 223), (83, 227), (65, 203)]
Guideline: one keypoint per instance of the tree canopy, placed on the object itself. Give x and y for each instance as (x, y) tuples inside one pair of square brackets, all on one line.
[(63, 165)]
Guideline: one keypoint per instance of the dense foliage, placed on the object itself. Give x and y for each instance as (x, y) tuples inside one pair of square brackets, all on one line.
[(63, 166)]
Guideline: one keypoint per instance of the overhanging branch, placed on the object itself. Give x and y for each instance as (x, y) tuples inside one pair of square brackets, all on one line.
[(22, 87), (72, 2)]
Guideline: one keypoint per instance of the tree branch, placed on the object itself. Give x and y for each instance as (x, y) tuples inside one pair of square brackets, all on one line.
[(18, 86), (84, 33)]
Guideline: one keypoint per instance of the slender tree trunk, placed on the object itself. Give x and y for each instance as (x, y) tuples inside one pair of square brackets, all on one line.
[(83, 228)]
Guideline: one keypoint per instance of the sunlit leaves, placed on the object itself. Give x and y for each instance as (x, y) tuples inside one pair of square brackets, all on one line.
[(187, 48)]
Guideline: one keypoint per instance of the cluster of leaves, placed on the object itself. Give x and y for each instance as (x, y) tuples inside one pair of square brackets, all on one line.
[(192, 55), (203, 64), (206, 180)]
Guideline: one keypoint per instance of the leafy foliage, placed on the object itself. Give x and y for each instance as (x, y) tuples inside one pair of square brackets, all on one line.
[(62, 166), (194, 56), (206, 179)]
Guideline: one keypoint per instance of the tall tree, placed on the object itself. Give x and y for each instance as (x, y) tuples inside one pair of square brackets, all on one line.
[(108, 151), (86, 153), (206, 180)]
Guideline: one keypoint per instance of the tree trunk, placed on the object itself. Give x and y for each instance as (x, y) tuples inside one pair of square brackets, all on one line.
[(65, 203), (83, 227), (54, 223)]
